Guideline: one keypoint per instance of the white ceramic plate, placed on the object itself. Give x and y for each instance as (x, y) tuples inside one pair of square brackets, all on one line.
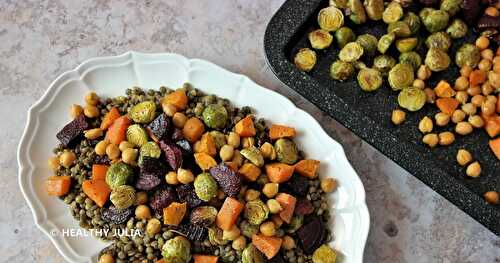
[(110, 76)]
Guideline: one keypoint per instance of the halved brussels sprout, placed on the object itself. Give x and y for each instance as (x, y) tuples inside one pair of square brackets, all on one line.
[(411, 58), (324, 254), (340, 70), (436, 20), (205, 186), (330, 18), (369, 44), (252, 255), (254, 155), (215, 236), (384, 63), (457, 28), (143, 112), (437, 60), (149, 149), (123, 196), (344, 35), (176, 250), (305, 59), (358, 14), (468, 54), (320, 39), (204, 215), (385, 42), (399, 29), (119, 174), (406, 44), (374, 9), (413, 22), (256, 212), (351, 52), (439, 40), (392, 13), (215, 116), (286, 151), (137, 135), (369, 79), (451, 6), (412, 99), (401, 76)]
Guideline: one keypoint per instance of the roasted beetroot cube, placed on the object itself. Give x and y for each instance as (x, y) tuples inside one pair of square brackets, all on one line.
[(72, 133), (153, 166), (173, 154), (312, 234), (187, 194), (303, 207), (185, 147), (116, 216), (297, 185), (147, 182), (192, 232), (162, 198), (177, 135), (159, 127), (227, 179)]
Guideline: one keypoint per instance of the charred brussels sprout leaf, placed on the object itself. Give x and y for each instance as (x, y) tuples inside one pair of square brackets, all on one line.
[(406, 44)]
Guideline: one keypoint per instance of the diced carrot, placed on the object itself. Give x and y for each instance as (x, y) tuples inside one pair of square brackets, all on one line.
[(57, 185), (109, 118), (193, 129), (117, 131), (97, 190), (279, 172), (447, 105), (177, 98), (205, 258), (493, 126), (228, 213), (245, 127), (99, 171), (250, 171), (477, 77), (281, 131), (174, 213), (444, 90), (495, 147), (207, 145), (269, 246), (307, 168), (287, 203), (204, 161)]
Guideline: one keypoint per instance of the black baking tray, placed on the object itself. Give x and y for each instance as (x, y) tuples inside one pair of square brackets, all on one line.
[(368, 114)]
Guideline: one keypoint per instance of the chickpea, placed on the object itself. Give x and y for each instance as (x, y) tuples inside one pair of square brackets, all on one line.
[(491, 11), (53, 163), (476, 121), (75, 111), (274, 206), (112, 151), (469, 109), (142, 212), (442, 119), (93, 134), (277, 220), (171, 178), (233, 139), (423, 72), (239, 243), (446, 138), (494, 79), (487, 54), (473, 170), (465, 71), (268, 229), (251, 195), (91, 98), (485, 65), (463, 157), (492, 197), (463, 128), (91, 111), (430, 95), (226, 152), (477, 100), (461, 83), (197, 147), (462, 96), (153, 227), (247, 142), (100, 148), (431, 139), (169, 109), (141, 198), (482, 42), (129, 156), (398, 116), (125, 145), (496, 67), (106, 258), (487, 89), (492, 98), (270, 189), (458, 116), (267, 150), (425, 125), (328, 185), (288, 243), (67, 159), (488, 107), (185, 176), (179, 119), (419, 84), (231, 234)]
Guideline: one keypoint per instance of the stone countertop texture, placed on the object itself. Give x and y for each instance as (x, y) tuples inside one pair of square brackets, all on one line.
[(41, 39)]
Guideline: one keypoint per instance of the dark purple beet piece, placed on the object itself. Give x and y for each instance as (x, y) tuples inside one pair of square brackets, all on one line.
[(227, 179), (471, 10), (263, 138), (116, 216), (72, 133), (153, 166), (297, 185), (147, 182), (487, 21), (185, 147), (173, 154), (312, 234), (187, 194), (192, 232), (159, 127), (162, 198), (303, 207), (177, 135)]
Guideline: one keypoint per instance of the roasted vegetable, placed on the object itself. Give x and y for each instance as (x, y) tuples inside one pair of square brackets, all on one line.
[(385, 42), (159, 127), (374, 9), (457, 29), (411, 58), (205, 186), (312, 234), (351, 52), (163, 198), (368, 43), (330, 18), (413, 22), (358, 14), (340, 70), (72, 133), (177, 98), (401, 76), (406, 44), (123, 196), (269, 246), (451, 6), (253, 155), (468, 55), (399, 29), (227, 179), (228, 213), (215, 116), (384, 63), (119, 174), (324, 254), (344, 35), (58, 185), (392, 13), (412, 99), (143, 112), (437, 60), (256, 212), (174, 213), (305, 59), (137, 135), (245, 127), (173, 154), (320, 39), (251, 255), (369, 79), (116, 216), (436, 20), (176, 250), (439, 40), (203, 215)]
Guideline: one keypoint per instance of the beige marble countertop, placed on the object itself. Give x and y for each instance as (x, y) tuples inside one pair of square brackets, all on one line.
[(41, 39)]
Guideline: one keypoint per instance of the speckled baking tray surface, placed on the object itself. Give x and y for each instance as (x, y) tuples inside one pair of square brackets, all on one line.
[(368, 114)]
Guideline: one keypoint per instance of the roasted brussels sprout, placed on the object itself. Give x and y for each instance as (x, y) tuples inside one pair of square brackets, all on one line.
[(286, 151), (338, 3), (205, 186), (437, 60), (439, 40), (351, 52), (252, 255), (436, 20), (215, 116), (413, 22), (340, 70), (468, 54), (399, 29), (369, 44), (401, 76), (369, 79), (324, 254), (457, 29), (215, 236), (248, 229), (143, 112), (358, 14), (137, 135), (412, 99), (119, 174), (359, 65), (219, 139), (149, 149), (384, 63), (296, 222), (406, 44), (320, 39), (392, 13), (424, 12), (385, 42), (253, 155), (374, 9), (123, 196), (305, 59), (256, 212), (330, 18), (176, 250), (451, 6), (204, 215), (411, 58), (344, 35)]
